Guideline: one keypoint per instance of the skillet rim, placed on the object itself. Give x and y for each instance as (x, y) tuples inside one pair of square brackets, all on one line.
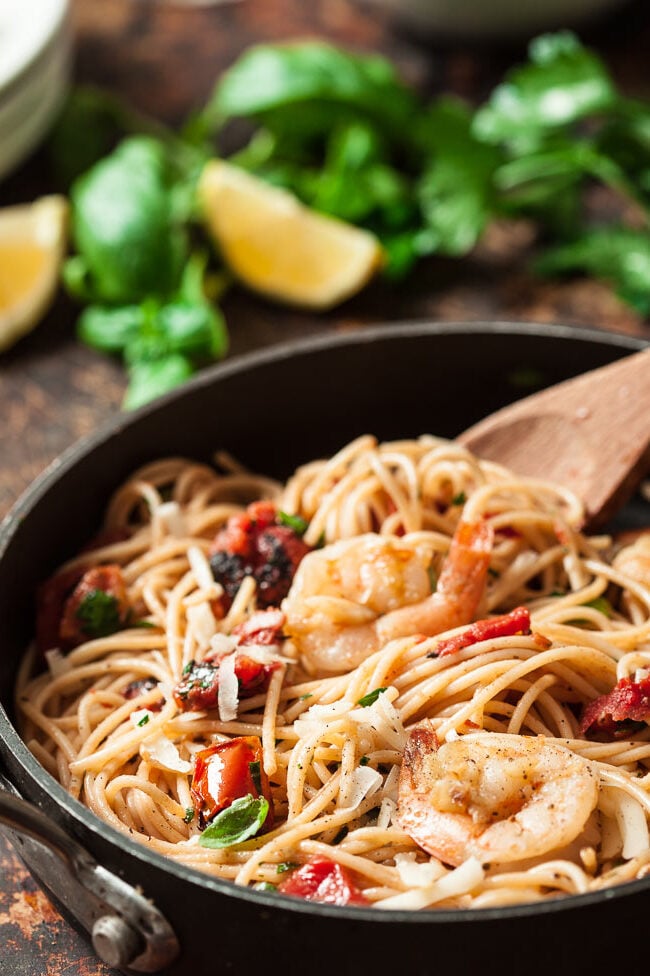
[(76, 812)]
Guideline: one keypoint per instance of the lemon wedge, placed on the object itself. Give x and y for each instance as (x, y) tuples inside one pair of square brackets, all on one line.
[(32, 245), (279, 247)]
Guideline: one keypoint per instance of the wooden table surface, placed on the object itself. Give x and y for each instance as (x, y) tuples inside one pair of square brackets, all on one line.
[(165, 57)]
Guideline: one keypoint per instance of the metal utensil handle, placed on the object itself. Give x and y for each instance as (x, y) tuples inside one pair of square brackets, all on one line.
[(126, 929)]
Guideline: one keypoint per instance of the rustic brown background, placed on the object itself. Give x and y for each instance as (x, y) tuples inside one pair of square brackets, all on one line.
[(165, 57)]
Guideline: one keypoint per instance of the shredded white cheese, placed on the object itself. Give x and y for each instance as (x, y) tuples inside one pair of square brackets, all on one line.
[(202, 624), (391, 784), (460, 881), (384, 719), (141, 717), (56, 662), (415, 875), (364, 781), (222, 644), (228, 691), (161, 752)]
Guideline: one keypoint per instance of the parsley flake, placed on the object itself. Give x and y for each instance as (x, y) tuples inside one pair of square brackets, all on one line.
[(295, 522)]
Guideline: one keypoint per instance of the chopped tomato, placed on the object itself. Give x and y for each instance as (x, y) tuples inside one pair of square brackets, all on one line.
[(253, 543), (107, 580), (227, 771), (199, 685), (611, 714), (507, 625), (53, 593), (323, 880), (50, 599)]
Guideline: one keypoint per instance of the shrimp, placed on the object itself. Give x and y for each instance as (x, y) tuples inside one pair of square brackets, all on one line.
[(497, 797), (352, 597)]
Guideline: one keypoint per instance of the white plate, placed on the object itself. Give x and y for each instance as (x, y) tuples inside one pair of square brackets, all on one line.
[(35, 55)]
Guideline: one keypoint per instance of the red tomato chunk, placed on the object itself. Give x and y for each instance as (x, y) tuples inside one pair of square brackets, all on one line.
[(610, 715), (253, 543), (507, 625), (323, 880), (226, 772)]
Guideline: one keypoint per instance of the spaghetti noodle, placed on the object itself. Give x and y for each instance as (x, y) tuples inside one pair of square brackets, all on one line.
[(522, 738)]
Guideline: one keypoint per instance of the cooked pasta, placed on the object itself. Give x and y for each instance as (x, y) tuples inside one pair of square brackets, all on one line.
[(405, 679)]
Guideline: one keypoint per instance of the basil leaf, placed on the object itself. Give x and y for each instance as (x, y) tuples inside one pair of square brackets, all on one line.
[(110, 329), (152, 378), (241, 820), (371, 697), (123, 225)]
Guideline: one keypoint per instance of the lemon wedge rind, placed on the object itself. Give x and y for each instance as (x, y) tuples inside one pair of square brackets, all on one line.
[(279, 247)]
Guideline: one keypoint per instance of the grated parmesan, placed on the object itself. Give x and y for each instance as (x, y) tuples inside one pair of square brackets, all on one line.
[(460, 881), (202, 624), (228, 691), (364, 781), (161, 752)]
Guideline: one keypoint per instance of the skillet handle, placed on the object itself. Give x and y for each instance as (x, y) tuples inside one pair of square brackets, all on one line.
[(126, 929)]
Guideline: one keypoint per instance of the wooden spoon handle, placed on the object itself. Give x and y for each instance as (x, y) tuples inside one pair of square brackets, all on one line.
[(591, 434)]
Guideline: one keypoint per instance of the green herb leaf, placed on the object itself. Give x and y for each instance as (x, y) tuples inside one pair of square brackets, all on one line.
[(189, 815), (618, 255), (602, 604), (364, 761), (314, 75), (371, 697), (241, 820), (295, 522), (123, 225), (456, 191), (110, 329), (148, 380), (256, 775), (285, 866), (459, 499), (143, 721), (562, 82), (99, 614), (264, 886)]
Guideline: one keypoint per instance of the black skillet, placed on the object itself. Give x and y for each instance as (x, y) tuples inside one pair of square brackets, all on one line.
[(274, 410)]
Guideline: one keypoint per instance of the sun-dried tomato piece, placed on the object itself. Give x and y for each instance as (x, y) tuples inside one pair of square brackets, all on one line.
[(612, 714)]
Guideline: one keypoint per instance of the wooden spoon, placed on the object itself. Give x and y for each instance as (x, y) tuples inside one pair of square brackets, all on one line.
[(590, 433)]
